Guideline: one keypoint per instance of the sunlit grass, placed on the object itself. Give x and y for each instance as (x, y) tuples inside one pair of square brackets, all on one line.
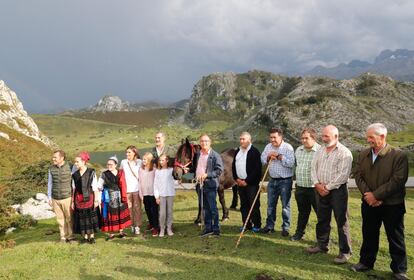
[(187, 256)]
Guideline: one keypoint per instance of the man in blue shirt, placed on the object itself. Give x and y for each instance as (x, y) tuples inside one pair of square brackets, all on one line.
[(281, 158)]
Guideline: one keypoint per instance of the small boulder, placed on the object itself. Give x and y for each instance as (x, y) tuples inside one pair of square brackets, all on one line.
[(41, 197)]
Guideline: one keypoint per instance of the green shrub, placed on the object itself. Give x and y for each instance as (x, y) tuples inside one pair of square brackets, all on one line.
[(7, 215), (24, 222), (26, 183)]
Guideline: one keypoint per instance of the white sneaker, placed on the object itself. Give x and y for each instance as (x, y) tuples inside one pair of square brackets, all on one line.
[(161, 233), (137, 231), (170, 232)]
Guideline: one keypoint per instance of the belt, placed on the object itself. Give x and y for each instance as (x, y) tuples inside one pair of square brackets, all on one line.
[(280, 178)]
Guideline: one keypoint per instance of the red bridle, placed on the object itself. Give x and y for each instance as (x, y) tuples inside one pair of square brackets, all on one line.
[(177, 163)]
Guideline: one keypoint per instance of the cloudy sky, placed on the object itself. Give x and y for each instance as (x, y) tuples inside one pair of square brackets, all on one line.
[(67, 54)]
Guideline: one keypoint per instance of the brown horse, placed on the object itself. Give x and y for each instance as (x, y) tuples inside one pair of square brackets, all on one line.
[(184, 159)]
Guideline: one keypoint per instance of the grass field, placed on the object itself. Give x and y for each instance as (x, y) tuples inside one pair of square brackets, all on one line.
[(75, 134), (187, 256)]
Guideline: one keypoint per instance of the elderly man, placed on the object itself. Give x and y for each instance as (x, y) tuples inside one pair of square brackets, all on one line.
[(59, 191), (247, 172), (381, 174), (331, 167), (281, 158), (305, 191), (208, 167)]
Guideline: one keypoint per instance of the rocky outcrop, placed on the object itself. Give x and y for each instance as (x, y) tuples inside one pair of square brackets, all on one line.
[(38, 207), (13, 115), (110, 103), (259, 100)]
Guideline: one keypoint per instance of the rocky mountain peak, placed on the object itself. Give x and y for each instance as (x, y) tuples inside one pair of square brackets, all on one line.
[(110, 103), (13, 115)]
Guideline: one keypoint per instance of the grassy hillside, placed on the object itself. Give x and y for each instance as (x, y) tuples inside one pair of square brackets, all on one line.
[(74, 134), (187, 256), (149, 118), (19, 151)]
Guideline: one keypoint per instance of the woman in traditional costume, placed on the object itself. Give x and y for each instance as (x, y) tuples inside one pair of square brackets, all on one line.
[(114, 206), (85, 200)]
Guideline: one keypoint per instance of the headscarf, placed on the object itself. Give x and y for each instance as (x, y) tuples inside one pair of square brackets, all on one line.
[(84, 156)]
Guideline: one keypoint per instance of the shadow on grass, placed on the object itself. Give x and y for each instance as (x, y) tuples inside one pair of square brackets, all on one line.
[(83, 275), (192, 268)]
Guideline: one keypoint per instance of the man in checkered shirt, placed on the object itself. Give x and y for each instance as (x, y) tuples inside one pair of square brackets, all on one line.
[(281, 158), (331, 167)]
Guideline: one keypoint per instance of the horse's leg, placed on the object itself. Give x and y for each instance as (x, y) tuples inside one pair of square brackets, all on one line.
[(223, 204), (198, 220), (235, 197)]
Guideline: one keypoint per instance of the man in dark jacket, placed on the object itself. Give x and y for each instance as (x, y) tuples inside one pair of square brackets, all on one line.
[(247, 171), (208, 167), (381, 173)]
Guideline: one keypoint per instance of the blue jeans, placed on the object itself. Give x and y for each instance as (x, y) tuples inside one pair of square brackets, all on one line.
[(211, 218), (276, 188)]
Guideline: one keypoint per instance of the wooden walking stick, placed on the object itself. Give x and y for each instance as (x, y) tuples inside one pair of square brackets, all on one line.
[(251, 208)]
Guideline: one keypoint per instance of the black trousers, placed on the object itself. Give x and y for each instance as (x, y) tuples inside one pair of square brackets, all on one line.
[(337, 202), (393, 218), (247, 195), (151, 208), (306, 200)]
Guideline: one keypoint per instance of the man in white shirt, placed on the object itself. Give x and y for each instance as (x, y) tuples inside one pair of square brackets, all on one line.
[(247, 172)]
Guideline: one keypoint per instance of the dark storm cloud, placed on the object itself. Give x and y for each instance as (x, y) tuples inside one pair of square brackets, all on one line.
[(61, 54)]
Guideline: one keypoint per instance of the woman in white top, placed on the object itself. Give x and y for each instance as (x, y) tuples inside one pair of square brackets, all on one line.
[(131, 166), (164, 192)]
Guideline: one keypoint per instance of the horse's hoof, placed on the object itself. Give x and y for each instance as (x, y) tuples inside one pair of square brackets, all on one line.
[(197, 221), (225, 219)]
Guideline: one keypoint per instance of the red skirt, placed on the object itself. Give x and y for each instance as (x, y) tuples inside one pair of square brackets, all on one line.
[(118, 217)]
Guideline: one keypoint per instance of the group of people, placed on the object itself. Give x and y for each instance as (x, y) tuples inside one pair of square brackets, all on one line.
[(84, 204), (321, 173)]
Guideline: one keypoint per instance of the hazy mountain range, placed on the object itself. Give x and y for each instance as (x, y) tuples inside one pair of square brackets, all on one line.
[(398, 64)]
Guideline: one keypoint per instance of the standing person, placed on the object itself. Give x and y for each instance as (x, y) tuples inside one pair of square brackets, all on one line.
[(85, 200), (381, 174), (305, 192), (208, 167), (115, 212), (281, 158), (131, 166), (164, 192), (331, 167), (146, 177), (59, 191), (247, 172), (161, 148)]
